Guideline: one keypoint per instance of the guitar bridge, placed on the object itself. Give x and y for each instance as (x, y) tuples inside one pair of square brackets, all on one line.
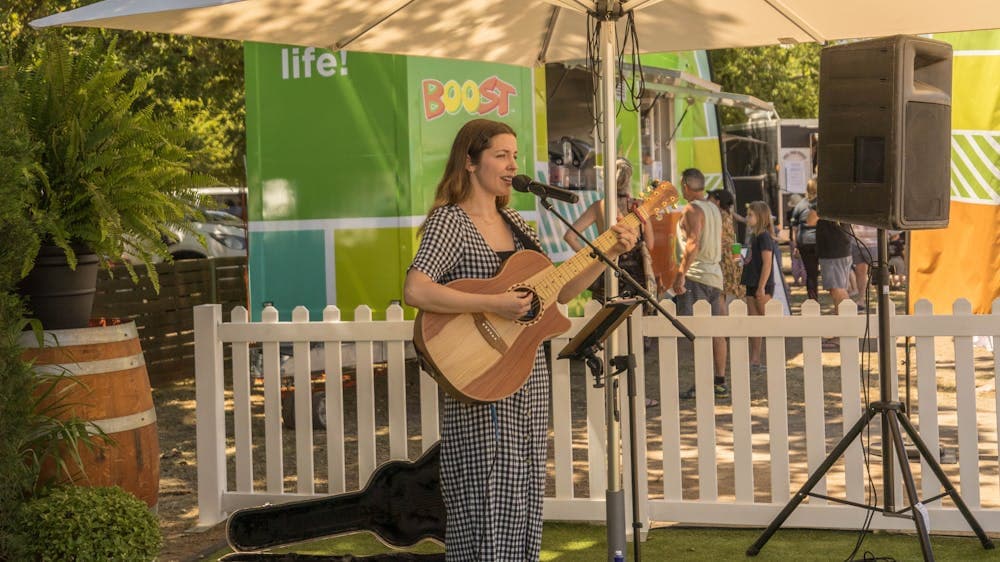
[(489, 332)]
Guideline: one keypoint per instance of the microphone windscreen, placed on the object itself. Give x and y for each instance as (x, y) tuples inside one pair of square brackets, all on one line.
[(521, 183)]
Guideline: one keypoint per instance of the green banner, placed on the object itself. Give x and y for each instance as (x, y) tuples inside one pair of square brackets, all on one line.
[(344, 152)]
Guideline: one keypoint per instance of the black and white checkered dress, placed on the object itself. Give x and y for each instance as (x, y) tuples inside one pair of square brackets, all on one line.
[(492, 473)]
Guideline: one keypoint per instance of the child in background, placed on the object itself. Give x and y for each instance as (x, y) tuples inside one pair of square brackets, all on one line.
[(757, 270)]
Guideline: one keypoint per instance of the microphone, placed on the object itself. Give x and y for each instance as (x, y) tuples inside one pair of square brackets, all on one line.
[(525, 184)]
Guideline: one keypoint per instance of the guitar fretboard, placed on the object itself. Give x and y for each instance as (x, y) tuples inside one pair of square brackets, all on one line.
[(548, 288)]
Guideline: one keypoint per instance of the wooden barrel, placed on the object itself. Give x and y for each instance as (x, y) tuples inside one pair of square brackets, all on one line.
[(114, 394)]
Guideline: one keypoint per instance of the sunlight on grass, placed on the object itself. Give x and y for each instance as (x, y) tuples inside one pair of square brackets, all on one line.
[(572, 542)]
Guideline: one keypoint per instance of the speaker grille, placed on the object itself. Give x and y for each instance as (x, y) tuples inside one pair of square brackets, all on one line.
[(926, 189)]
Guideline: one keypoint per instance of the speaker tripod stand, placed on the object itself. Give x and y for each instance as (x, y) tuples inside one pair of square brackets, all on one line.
[(893, 420)]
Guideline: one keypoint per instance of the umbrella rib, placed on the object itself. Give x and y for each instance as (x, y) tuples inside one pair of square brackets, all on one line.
[(791, 16), (550, 28), (365, 28), (575, 6), (640, 4)]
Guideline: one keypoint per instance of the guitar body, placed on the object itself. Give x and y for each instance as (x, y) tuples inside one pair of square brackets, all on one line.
[(483, 357), (401, 504)]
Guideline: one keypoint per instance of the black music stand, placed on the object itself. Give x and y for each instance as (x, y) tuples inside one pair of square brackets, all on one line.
[(585, 346), (588, 341)]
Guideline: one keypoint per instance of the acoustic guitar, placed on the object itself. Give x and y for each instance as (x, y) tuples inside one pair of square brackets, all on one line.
[(481, 357)]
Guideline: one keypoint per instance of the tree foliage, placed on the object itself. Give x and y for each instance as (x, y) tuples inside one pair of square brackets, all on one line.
[(787, 76), (197, 80)]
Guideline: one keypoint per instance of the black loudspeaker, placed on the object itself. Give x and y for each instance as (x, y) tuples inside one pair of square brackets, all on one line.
[(885, 133)]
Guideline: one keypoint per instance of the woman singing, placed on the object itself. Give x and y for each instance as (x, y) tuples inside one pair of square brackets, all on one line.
[(492, 455)]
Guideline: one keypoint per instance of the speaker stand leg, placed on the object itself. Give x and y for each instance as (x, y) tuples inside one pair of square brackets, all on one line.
[(949, 489), (891, 415), (818, 475)]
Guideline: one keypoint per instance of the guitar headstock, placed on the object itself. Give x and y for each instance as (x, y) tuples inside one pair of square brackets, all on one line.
[(658, 200)]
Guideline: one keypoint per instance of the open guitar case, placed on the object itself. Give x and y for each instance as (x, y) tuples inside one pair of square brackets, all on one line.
[(401, 505)]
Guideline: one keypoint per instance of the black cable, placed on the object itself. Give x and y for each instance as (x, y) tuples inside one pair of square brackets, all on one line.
[(678, 125), (871, 556), (593, 66), (636, 87), (866, 369)]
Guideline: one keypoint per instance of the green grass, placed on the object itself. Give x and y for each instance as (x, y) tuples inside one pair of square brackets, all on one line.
[(571, 542)]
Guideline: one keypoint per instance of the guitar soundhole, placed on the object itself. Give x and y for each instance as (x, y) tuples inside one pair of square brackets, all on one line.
[(535, 313)]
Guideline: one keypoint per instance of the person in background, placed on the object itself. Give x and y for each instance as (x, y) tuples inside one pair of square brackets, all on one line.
[(637, 261), (757, 272), (732, 265), (864, 251), (699, 274), (833, 247), (798, 268), (633, 261), (897, 259), (803, 234)]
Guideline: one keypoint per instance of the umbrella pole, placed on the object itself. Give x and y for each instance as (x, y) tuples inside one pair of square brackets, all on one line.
[(608, 15)]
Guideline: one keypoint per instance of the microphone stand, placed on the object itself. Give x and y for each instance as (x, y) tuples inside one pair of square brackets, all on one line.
[(615, 498)]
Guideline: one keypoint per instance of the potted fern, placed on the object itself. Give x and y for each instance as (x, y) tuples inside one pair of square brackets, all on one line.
[(112, 177)]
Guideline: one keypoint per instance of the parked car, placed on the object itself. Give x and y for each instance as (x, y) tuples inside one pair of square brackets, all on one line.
[(232, 200), (225, 235), (222, 235)]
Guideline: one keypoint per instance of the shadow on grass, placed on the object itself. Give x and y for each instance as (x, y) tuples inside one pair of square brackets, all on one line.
[(570, 542)]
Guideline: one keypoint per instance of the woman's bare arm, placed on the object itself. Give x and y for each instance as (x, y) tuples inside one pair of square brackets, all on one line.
[(420, 291)]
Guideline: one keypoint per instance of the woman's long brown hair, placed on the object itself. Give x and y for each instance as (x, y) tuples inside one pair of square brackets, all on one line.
[(472, 139), (763, 213)]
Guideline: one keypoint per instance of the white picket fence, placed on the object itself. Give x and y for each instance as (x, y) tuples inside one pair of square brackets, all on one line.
[(730, 471)]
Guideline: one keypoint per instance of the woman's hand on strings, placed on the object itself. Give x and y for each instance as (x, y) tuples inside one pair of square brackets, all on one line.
[(512, 304)]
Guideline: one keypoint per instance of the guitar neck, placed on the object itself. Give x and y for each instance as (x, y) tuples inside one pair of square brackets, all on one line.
[(550, 287)]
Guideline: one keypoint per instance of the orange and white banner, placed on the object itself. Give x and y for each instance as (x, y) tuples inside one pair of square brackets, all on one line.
[(963, 260)]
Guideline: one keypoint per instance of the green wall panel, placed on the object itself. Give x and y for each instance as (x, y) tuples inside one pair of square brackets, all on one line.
[(300, 256)]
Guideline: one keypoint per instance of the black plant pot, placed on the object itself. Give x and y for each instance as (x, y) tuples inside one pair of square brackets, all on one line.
[(60, 297)]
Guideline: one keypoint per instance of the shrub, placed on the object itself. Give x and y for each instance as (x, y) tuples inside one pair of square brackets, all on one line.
[(19, 175), (16, 384), (75, 523)]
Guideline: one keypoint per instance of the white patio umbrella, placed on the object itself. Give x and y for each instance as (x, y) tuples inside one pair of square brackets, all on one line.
[(529, 32)]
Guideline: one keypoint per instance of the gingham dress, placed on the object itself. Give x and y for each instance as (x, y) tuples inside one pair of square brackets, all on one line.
[(492, 473)]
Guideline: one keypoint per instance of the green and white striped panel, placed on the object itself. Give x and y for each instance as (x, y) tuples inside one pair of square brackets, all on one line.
[(551, 230), (712, 182), (975, 166)]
